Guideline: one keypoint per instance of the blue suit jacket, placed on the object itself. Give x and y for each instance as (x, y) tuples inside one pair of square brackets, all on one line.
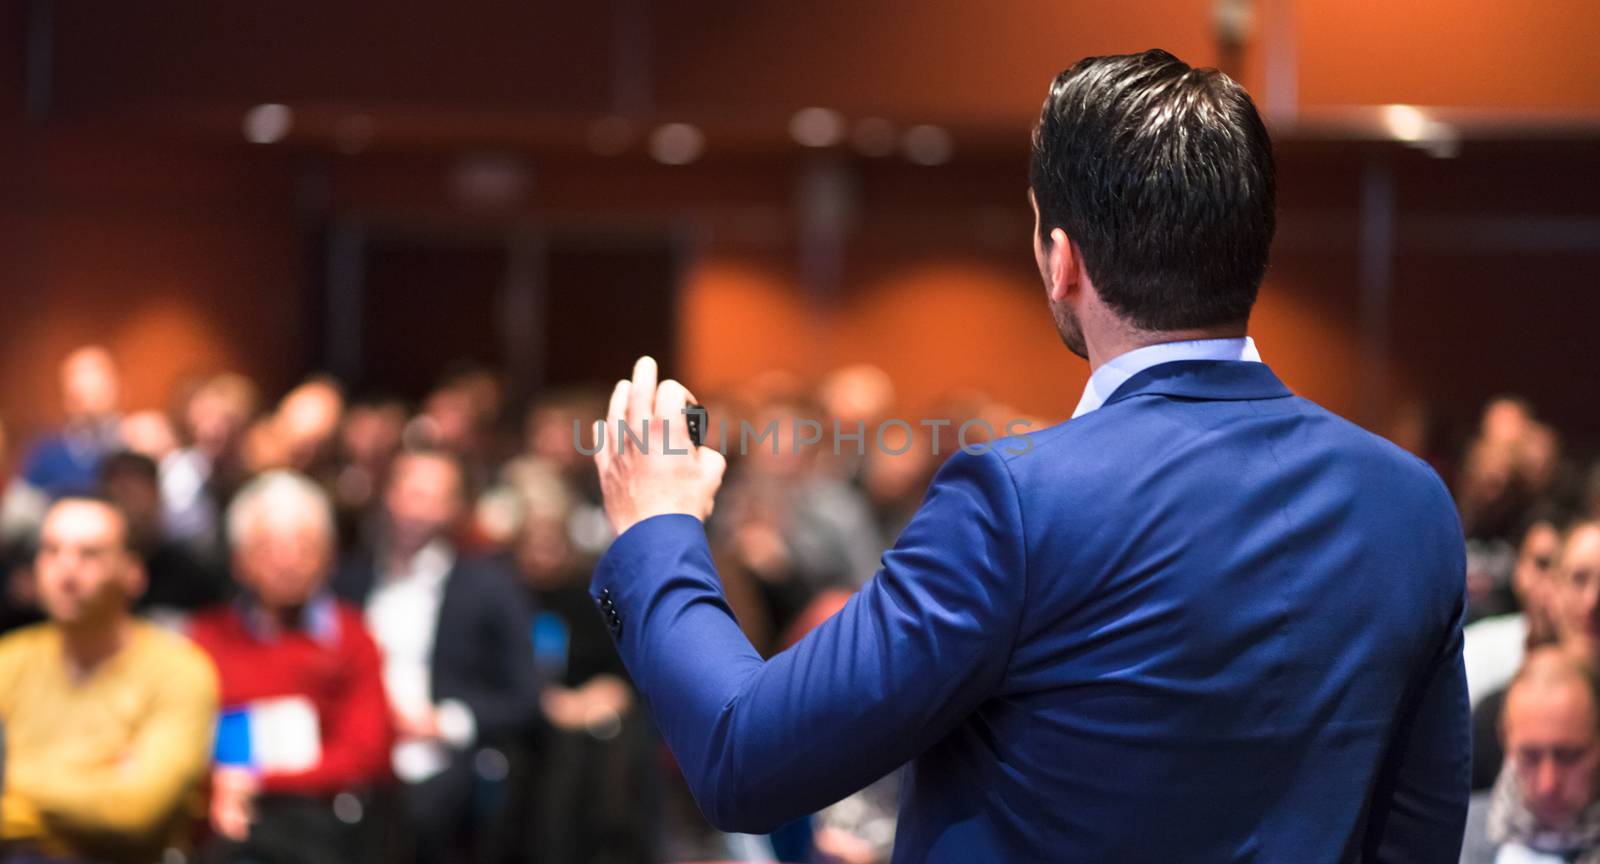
[(1209, 621)]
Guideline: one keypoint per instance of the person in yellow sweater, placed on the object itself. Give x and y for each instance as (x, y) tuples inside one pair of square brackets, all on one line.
[(108, 720)]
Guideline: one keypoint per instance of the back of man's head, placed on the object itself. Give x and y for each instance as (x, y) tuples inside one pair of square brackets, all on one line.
[(1162, 175)]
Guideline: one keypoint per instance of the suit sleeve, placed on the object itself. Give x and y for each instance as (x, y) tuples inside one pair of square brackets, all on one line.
[(1418, 811), (906, 660)]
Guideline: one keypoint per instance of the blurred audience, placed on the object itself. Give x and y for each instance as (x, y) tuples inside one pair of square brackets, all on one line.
[(854, 400), (1494, 646), (468, 703), (205, 470), (797, 528), (300, 434), (553, 427), (305, 729), (590, 794), (1513, 465), (368, 443), (458, 418), (452, 629), (1576, 602), (107, 719), (1545, 807), (1574, 609), (66, 461), (178, 579)]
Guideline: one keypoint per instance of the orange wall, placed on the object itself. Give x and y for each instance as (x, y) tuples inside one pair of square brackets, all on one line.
[(974, 321), (944, 61), (1474, 53), (180, 261), (740, 314)]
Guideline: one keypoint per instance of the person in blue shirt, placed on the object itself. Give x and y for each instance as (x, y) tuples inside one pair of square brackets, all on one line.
[(1203, 620), (67, 462)]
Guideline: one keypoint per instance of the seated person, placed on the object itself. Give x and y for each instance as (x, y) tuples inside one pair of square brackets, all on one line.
[(107, 719), (452, 630), (598, 744), (1544, 808), (304, 714), (1493, 648), (1572, 601), (178, 580), (68, 461)]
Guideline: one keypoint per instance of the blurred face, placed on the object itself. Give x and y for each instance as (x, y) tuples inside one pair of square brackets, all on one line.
[(86, 574), (150, 433), (217, 414), (1578, 590), (308, 418), (1534, 578), (451, 420), (786, 463), (1539, 455), (1504, 420), (543, 551), (1552, 744), (283, 558), (550, 436), (423, 500), (894, 476), (372, 433), (858, 393), (1490, 468), (89, 386)]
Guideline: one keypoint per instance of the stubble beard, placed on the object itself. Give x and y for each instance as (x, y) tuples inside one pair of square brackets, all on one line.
[(1070, 328)]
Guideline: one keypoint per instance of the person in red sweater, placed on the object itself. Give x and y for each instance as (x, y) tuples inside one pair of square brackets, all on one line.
[(305, 718)]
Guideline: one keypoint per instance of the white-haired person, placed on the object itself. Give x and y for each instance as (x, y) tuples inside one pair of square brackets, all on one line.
[(304, 719)]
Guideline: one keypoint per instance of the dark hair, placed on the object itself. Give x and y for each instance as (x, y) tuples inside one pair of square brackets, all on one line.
[(128, 463), (1545, 511), (1162, 176)]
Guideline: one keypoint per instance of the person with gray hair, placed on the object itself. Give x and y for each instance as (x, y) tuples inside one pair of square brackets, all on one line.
[(305, 723), (280, 494)]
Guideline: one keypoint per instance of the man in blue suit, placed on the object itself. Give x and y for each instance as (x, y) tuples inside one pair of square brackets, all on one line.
[(1203, 620)]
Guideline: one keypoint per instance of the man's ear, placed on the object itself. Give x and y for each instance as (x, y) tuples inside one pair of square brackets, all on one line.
[(1063, 264)]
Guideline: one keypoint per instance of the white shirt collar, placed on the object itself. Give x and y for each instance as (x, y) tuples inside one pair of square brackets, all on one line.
[(428, 567), (1118, 370)]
